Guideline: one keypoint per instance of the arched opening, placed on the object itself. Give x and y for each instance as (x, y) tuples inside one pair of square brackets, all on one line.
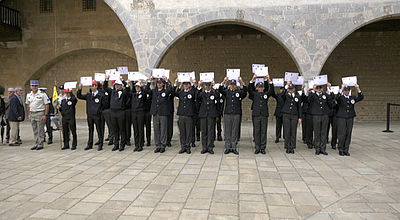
[(218, 47), (73, 65), (372, 53)]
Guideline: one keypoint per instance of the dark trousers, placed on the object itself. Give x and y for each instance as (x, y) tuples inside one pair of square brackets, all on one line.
[(147, 123), (207, 126), (137, 119), (7, 130), (320, 124), (278, 126), (304, 129), (290, 130), (170, 128), (186, 128), (309, 130), (160, 125), (49, 129), (333, 124), (219, 127), (106, 119), (92, 121), (231, 130), (69, 125), (118, 124), (196, 129), (260, 126), (345, 128), (128, 126)]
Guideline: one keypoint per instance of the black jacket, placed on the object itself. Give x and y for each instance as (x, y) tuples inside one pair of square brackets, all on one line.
[(160, 103), (346, 105), (292, 104), (118, 98), (209, 102), (279, 103), (320, 104), (67, 107), (16, 109), (138, 101), (233, 99), (94, 104), (259, 106), (187, 101)]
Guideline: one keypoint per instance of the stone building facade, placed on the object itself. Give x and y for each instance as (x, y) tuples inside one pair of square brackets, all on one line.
[(334, 37)]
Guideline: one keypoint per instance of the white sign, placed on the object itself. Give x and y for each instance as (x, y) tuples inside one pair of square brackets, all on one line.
[(98, 77), (136, 76), (335, 89), (299, 81), (113, 74), (184, 76), (207, 77), (255, 66), (86, 81), (233, 74), (321, 80), (278, 82), (261, 71), (311, 84), (160, 73), (123, 70), (349, 81), (70, 85), (291, 76)]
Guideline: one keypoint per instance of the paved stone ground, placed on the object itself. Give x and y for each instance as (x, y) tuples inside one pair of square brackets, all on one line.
[(126, 185)]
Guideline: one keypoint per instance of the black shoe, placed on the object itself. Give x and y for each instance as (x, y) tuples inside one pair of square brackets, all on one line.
[(227, 151), (219, 138), (203, 151), (193, 145), (334, 147), (257, 151), (277, 140), (110, 142), (115, 148), (107, 139), (136, 149), (291, 151), (73, 148), (182, 151), (65, 148), (162, 150), (34, 148), (324, 153), (97, 143), (99, 148), (341, 153), (15, 144), (39, 148), (88, 148), (235, 152), (287, 151), (188, 151), (140, 149), (157, 150), (309, 146), (347, 153), (148, 144), (122, 148), (50, 142), (7, 141), (211, 151), (263, 151), (317, 152)]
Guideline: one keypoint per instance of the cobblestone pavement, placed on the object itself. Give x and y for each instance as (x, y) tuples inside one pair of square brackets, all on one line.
[(130, 185)]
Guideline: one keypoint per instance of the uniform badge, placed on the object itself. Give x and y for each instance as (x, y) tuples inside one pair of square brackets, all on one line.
[(216, 102), (221, 100), (296, 99), (324, 97), (189, 96), (106, 93), (119, 94), (148, 95), (69, 103), (352, 101), (163, 94), (97, 100), (212, 97), (140, 96), (237, 95), (265, 96)]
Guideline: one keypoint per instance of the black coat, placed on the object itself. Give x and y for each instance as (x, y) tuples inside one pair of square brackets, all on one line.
[(320, 105), (118, 98), (292, 105), (187, 101), (209, 102), (259, 106), (16, 109), (94, 104), (233, 99), (67, 107), (279, 104), (346, 105), (160, 102)]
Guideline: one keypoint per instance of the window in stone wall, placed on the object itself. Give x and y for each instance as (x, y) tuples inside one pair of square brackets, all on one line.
[(89, 5), (46, 6)]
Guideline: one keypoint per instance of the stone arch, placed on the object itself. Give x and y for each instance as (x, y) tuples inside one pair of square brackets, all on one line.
[(250, 19)]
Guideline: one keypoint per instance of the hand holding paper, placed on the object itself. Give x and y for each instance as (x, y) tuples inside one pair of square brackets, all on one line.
[(233, 74), (207, 77), (278, 82), (320, 80), (86, 81), (349, 81), (291, 76)]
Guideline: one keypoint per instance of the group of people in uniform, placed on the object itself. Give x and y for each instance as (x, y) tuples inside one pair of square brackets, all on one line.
[(121, 105)]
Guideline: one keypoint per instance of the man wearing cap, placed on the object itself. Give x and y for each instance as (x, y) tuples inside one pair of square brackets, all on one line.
[(321, 104), (292, 114), (160, 109), (16, 115), (345, 117), (233, 110), (94, 106), (278, 113), (137, 106), (186, 110), (38, 107), (67, 109), (260, 95), (118, 100)]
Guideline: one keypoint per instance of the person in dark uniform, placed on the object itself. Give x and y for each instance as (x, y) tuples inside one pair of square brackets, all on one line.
[(94, 106), (233, 110), (118, 100), (308, 118), (147, 119), (278, 113), (186, 111), (220, 108), (260, 95), (160, 110), (137, 106), (67, 109), (292, 114), (208, 101), (106, 115), (321, 104), (345, 117)]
